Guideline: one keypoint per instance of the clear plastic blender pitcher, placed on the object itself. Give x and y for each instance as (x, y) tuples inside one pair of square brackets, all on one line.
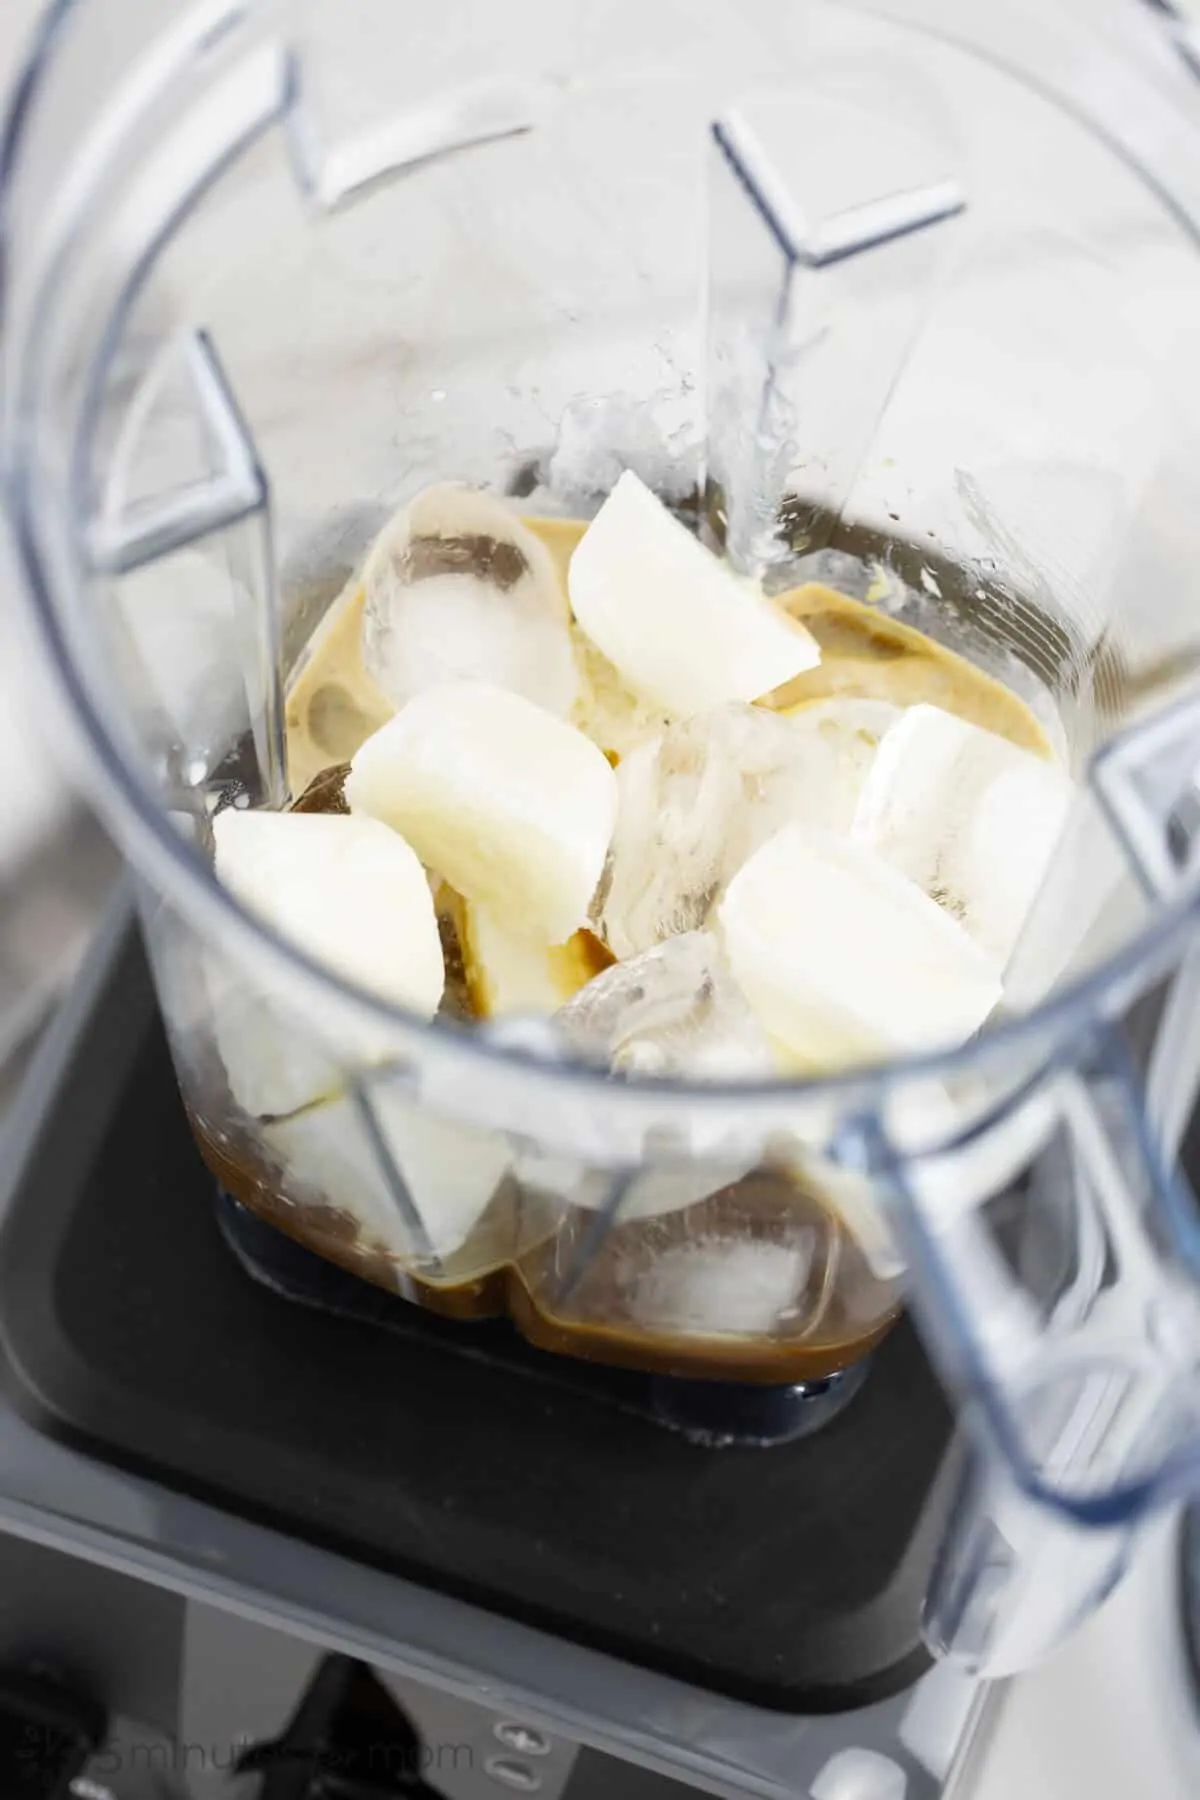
[(866, 310)]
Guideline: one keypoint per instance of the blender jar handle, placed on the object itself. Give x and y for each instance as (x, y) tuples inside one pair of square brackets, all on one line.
[(1055, 1245), (1055, 1257)]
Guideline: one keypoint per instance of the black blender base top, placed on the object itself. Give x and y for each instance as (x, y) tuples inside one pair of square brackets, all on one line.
[(791, 1577)]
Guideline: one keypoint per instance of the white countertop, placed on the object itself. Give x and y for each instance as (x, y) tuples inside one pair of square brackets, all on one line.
[(1110, 1715)]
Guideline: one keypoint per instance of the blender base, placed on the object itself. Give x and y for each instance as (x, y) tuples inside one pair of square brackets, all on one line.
[(714, 1413), (464, 1460)]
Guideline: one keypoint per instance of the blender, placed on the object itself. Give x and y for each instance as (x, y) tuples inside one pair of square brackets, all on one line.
[(862, 309)]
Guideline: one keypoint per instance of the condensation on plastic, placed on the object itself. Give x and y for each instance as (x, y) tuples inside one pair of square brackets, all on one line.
[(932, 379)]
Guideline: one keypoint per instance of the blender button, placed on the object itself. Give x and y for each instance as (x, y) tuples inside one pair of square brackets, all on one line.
[(860, 1775), (513, 1774), (524, 1739)]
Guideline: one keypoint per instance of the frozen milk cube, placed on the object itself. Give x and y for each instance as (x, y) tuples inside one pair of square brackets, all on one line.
[(456, 588), (353, 895), (698, 798), (845, 960), (512, 806), (673, 1010), (968, 817), (681, 628), (449, 1173), (510, 973), (276, 1060), (347, 890)]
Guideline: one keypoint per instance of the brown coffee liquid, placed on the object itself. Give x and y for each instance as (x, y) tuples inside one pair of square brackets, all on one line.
[(761, 1281), (333, 705)]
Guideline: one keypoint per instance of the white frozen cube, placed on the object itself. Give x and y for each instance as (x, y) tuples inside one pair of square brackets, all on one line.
[(512, 974), (351, 894), (684, 631), (512, 806), (968, 817), (844, 959), (449, 1172)]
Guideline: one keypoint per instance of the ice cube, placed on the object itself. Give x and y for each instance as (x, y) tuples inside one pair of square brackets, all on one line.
[(673, 1010), (450, 1172), (841, 735), (353, 895), (696, 800), (844, 959), (458, 589), (713, 1285), (967, 816), (512, 806), (682, 629)]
